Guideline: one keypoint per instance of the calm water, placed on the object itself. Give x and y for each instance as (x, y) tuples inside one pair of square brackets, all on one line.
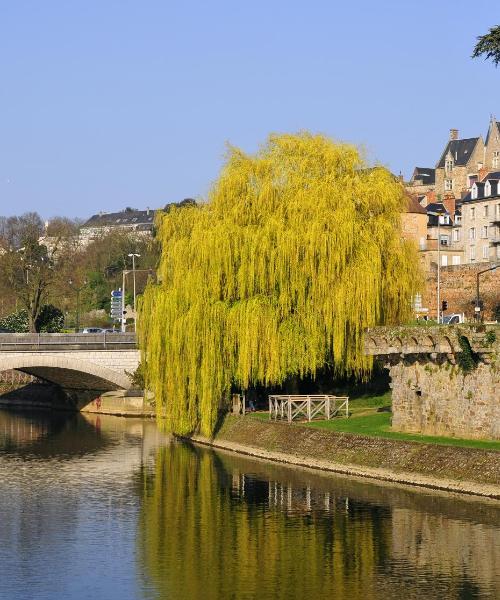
[(105, 508)]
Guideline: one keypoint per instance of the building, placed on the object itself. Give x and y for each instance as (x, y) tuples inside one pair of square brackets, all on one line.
[(423, 181), (481, 220), (459, 165), (414, 223), (130, 220)]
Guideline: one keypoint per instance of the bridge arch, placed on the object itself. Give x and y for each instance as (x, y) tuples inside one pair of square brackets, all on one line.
[(67, 372)]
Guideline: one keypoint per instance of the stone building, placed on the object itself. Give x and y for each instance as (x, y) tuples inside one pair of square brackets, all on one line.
[(414, 223), (481, 220), (459, 165), (131, 220), (423, 181)]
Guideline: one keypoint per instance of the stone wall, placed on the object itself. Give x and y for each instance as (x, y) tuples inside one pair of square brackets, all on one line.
[(438, 399), (432, 392), (458, 288)]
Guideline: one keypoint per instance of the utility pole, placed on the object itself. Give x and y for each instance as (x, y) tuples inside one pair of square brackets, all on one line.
[(77, 290), (123, 320), (133, 255), (438, 214)]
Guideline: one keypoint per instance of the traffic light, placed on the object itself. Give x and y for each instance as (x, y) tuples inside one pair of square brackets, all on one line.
[(444, 305)]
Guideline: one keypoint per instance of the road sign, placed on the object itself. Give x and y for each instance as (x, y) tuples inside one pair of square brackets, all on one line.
[(116, 294)]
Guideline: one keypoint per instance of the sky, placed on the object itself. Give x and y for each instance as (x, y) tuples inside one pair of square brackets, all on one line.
[(106, 104)]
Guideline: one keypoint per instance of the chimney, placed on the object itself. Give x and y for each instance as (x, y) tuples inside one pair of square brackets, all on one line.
[(449, 204), (482, 172), (453, 134)]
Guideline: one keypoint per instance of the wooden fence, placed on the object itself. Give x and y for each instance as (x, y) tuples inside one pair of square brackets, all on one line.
[(307, 407)]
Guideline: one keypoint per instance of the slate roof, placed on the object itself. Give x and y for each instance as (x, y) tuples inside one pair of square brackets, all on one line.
[(435, 207), (140, 219), (425, 174), (461, 151), (494, 178)]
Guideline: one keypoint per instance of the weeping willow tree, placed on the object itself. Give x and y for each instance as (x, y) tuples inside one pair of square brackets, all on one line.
[(296, 252)]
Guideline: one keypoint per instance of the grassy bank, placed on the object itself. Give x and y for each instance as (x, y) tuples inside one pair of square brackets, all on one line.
[(365, 419), (457, 468)]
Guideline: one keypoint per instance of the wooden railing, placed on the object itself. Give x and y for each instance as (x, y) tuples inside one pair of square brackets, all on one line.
[(309, 407)]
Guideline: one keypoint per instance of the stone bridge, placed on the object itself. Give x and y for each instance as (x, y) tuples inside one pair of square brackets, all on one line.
[(92, 363), (445, 379)]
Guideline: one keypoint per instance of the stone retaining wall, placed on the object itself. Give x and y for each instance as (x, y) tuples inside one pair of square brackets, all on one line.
[(432, 392)]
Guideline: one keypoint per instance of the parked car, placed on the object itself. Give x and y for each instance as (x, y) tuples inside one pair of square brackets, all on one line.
[(453, 319), (93, 330)]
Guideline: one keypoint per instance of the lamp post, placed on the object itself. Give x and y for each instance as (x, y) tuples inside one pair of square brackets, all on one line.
[(77, 290), (478, 302), (438, 214), (133, 255)]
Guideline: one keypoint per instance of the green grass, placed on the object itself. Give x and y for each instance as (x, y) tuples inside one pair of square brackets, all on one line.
[(379, 425), (365, 420)]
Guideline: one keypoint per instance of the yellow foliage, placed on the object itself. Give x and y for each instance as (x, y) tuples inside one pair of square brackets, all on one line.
[(296, 252)]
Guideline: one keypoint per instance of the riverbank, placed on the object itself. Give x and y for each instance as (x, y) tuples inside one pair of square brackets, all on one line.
[(50, 397), (439, 467)]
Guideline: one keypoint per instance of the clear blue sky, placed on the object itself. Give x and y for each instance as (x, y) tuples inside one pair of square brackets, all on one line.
[(107, 103)]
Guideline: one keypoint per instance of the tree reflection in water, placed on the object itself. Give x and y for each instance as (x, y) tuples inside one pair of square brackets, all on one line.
[(215, 526)]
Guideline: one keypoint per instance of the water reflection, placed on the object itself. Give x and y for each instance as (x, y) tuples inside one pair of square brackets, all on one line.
[(217, 526), (103, 507)]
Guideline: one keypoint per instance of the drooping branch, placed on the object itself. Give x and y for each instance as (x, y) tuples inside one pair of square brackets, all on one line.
[(297, 251)]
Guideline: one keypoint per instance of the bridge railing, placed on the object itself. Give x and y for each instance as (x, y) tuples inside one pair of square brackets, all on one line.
[(23, 342)]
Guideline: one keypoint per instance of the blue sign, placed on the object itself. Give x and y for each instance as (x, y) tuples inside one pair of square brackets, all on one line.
[(116, 294)]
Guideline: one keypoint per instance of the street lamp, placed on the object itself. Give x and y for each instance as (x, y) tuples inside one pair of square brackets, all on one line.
[(438, 214), (478, 302), (133, 255), (77, 290)]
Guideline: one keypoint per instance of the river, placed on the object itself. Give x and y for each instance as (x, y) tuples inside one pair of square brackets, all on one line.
[(95, 507)]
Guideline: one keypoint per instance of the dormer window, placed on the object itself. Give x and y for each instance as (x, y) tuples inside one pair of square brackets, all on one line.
[(472, 180), (448, 164), (473, 192), (487, 189)]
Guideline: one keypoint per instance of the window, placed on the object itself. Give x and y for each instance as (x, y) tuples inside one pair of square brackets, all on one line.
[(444, 260), (472, 180), (485, 211), (444, 219), (458, 219), (417, 302), (497, 210), (473, 193), (486, 251), (487, 189), (472, 253), (445, 240), (472, 233), (456, 235), (472, 212), (484, 232), (448, 165), (496, 159), (448, 185), (455, 260)]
